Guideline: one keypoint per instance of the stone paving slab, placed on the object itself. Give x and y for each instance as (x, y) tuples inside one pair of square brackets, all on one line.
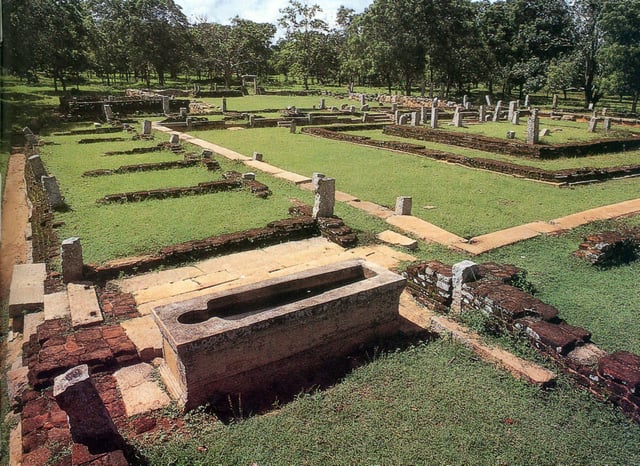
[(292, 177), (518, 367), (56, 306), (263, 166), (371, 208), (600, 213), (27, 288), (145, 335), (127, 285), (83, 305), (140, 393), (31, 322), (396, 239), (424, 230), (497, 239), (165, 290)]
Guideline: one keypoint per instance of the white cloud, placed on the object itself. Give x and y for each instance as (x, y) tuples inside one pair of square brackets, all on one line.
[(262, 11)]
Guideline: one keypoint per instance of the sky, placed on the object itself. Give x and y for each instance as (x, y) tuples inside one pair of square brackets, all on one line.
[(260, 11)]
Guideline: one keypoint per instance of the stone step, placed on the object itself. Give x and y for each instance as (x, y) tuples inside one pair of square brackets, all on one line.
[(56, 306), (83, 305), (27, 288), (31, 322)]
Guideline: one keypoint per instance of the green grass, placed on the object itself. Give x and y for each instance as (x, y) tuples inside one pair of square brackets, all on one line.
[(430, 404), (467, 202), (595, 161), (275, 102)]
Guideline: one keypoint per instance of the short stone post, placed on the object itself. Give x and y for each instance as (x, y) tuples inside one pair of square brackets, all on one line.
[(257, 156), (593, 123), (511, 134), (482, 114), (252, 120), (414, 118), (403, 205), (325, 196), (607, 124), (487, 99), (72, 262), (292, 126), (465, 100), (108, 112), (515, 119), (554, 101), (424, 116), (457, 118), (496, 113), (533, 124), (37, 167), (224, 105), (434, 116), (322, 104), (462, 272), (396, 117), (184, 111), (52, 192), (146, 128), (174, 138), (526, 101), (89, 420), (249, 176), (394, 107), (166, 109), (363, 99)]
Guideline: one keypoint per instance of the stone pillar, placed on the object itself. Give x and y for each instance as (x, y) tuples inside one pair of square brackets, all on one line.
[(414, 118), (352, 109), (424, 116), (515, 119), (457, 118), (363, 99), (554, 101), (89, 419), (496, 113), (292, 126), (533, 128), (325, 191), (487, 99), (593, 123), (257, 156), (403, 205), (462, 272), (396, 117), (252, 120), (511, 134), (322, 104), (394, 107), (526, 101), (72, 262), (482, 114), (404, 119), (174, 138), (434, 116), (37, 167), (513, 105), (166, 109), (607, 124), (52, 192), (108, 112), (146, 128), (224, 104), (465, 100), (184, 111)]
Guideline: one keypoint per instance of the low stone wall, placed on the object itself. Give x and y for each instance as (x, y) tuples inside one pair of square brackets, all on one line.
[(484, 143), (121, 105), (142, 167), (610, 248), (613, 377), (567, 176)]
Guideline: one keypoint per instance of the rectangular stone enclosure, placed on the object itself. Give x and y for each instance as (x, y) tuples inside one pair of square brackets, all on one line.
[(212, 342)]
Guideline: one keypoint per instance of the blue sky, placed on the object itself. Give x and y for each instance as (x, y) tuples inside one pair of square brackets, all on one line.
[(261, 11)]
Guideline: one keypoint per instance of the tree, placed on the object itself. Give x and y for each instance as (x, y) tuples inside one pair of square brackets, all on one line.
[(589, 41), (620, 52), (304, 37)]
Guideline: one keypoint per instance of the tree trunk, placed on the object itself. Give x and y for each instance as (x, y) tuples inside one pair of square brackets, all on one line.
[(634, 103)]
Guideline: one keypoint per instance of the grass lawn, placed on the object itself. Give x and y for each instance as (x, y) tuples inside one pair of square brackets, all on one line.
[(433, 403), (467, 202)]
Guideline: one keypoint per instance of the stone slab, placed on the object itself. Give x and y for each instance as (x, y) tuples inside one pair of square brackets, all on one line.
[(292, 177), (396, 239), (56, 306), (83, 305), (163, 290), (599, 213), (518, 367), (27, 288), (263, 166), (371, 208), (497, 239), (424, 230), (140, 392), (147, 280), (31, 322), (145, 335)]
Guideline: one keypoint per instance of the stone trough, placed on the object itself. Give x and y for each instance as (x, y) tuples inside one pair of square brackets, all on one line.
[(230, 342)]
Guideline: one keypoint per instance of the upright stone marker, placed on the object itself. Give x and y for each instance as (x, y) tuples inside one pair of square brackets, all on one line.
[(108, 112), (257, 156), (526, 101), (292, 127), (363, 99), (607, 124), (322, 104), (166, 108), (487, 99), (513, 105), (424, 115), (593, 123), (462, 272), (434, 115), (146, 128), (52, 192), (174, 138), (184, 112), (515, 119), (404, 205), (72, 262), (404, 119), (457, 118), (89, 420), (498, 109), (532, 128), (482, 114), (394, 107), (465, 100), (37, 167), (414, 118), (554, 102), (224, 105), (325, 197)]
